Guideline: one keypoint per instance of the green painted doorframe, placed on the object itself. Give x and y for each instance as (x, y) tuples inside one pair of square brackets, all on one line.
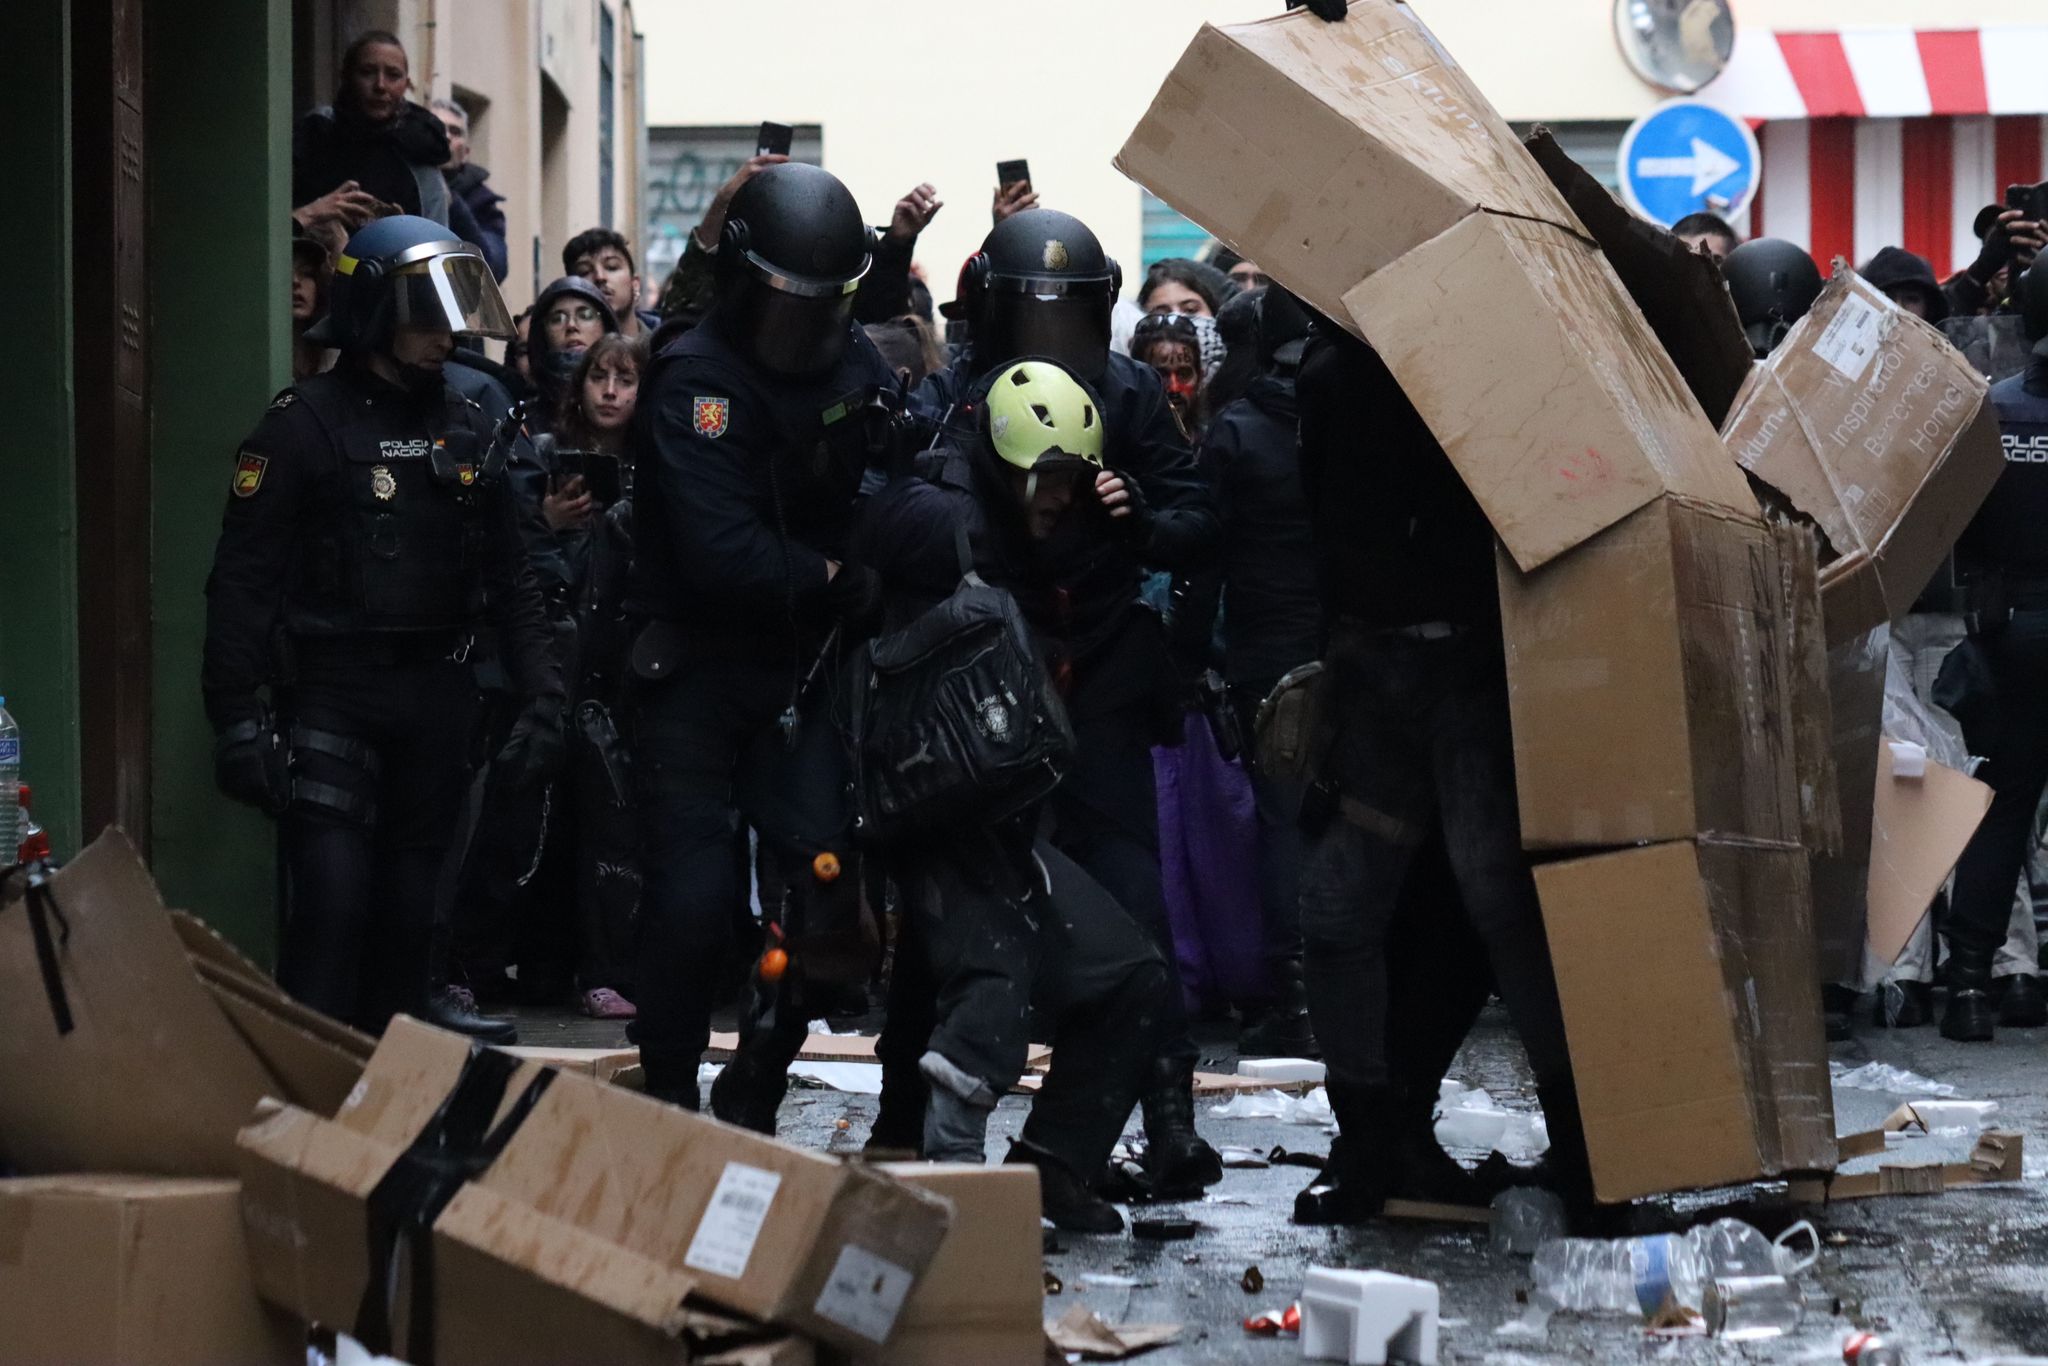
[(38, 533), (219, 141)]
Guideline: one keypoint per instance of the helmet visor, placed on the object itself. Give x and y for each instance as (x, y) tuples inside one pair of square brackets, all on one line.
[(455, 292), (1072, 329), (793, 334)]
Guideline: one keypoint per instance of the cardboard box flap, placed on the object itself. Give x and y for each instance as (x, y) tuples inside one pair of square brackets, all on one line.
[(1919, 828), (1813, 721), (1326, 151), (1588, 423), (1679, 290), (152, 1077)]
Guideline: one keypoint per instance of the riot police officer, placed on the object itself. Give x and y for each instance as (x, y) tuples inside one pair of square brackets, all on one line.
[(1041, 285), (1773, 283), (749, 457), (1997, 678), (368, 535)]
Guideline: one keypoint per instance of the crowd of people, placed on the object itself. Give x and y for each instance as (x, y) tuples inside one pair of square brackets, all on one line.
[(775, 645)]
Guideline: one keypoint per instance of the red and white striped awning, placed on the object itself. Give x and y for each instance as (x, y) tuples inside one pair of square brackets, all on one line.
[(1889, 136), (1885, 73)]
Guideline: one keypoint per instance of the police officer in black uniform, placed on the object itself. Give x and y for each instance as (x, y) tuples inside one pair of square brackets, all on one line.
[(1998, 677), (1773, 283), (1042, 286), (369, 534), (748, 461)]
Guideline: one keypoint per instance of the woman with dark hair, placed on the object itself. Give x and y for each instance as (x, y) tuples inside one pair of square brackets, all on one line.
[(373, 151), (910, 347), (1179, 285), (1172, 345)]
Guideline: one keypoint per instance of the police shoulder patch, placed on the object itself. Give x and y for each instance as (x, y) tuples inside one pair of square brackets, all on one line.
[(709, 416), (249, 468), (283, 401)]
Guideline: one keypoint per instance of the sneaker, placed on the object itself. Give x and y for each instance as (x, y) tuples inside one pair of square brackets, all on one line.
[(602, 1003)]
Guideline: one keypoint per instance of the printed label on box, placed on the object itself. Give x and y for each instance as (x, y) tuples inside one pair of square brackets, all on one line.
[(1851, 337), (864, 1293), (732, 1221)]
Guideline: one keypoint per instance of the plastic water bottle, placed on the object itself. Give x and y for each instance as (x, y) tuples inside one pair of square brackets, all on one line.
[(10, 785), (1633, 1275)]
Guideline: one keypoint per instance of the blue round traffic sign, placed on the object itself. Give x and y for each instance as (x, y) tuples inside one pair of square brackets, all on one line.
[(1685, 157)]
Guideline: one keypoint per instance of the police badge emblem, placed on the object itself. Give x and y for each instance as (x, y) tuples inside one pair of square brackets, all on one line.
[(995, 718), (383, 484), (249, 468), (710, 416)]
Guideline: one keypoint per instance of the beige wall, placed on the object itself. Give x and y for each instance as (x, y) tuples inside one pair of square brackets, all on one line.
[(495, 56), (936, 89)]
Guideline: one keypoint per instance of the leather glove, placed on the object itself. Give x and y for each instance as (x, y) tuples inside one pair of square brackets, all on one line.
[(855, 594), (1992, 256), (1329, 11), (1138, 524), (249, 764), (535, 749)]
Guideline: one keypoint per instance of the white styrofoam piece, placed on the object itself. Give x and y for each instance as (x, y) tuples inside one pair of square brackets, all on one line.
[(1362, 1317), (1281, 1069), (1909, 760)]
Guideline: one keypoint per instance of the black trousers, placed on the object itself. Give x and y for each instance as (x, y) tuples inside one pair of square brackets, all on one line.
[(707, 750), (2003, 708), (1105, 816), (1277, 803), (1422, 739), (379, 767), (984, 946)]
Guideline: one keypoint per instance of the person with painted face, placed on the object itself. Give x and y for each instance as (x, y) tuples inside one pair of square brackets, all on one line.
[(1773, 284), (997, 922), (749, 449), (1993, 683), (1041, 285), (1169, 343), (369, 535)]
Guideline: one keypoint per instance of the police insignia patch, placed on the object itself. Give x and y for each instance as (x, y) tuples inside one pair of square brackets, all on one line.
[(283, 401), (249, 468), (710, 416), (1055, 254), (383, 484)]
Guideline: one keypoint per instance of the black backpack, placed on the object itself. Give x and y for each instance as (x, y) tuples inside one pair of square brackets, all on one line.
[(954, 720)]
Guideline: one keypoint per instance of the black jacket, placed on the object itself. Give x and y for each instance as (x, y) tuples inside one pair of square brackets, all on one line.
[(1399, 539), (1266, 572), (2006, 535), (470, 184), (392, 161), (744, 486), (336, 526)]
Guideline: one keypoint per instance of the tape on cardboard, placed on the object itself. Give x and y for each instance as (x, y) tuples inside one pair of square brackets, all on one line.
[(41, 904)]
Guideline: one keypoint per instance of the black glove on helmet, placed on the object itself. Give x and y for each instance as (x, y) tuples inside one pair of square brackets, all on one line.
[(1773, 283), (791, 255)]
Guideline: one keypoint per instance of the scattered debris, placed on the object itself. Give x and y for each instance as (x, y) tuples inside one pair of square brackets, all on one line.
[(1053, 1284), (1882, 1076), (1367, 1317), (1164, 1228), (1253, 1280), (1313, 1108), (1083, 1332), (1274, 1322)]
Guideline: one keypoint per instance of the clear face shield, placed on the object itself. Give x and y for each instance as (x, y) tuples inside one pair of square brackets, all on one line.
[(1069, 324), (455, 291)]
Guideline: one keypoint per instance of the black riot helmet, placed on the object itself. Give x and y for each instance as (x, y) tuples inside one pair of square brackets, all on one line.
[(1773, 283), (1041, 286), (791, 255), (409, 271), (1283, 330), (2030, 296)]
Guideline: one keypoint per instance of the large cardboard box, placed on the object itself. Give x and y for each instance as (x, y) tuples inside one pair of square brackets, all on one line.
[(1870, 423), (984, 1298), (99, 1269), (1692, 1009), (1841, 877), (1356, 163), (1921, 821), (172, 1037), (1650, 686), (617, 1200)]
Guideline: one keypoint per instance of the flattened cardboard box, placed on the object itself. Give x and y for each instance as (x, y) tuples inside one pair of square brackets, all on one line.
[(1870, 423), (1650, 684), (99, 1269), (615, 1198), (1919, 828), (984, 1298), (1692, 1010), (1358, 166)]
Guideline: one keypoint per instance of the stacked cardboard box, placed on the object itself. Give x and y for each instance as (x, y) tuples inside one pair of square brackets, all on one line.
[(1647, 607)]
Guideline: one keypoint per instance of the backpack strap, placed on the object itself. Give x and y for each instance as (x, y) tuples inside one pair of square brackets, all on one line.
[(966, 554)]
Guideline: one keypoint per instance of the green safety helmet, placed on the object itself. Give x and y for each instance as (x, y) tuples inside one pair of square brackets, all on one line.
[(1041, 415)]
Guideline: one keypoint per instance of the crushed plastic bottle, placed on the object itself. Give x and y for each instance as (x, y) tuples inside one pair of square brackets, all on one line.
[(1633, 1275), (1526, 1217)]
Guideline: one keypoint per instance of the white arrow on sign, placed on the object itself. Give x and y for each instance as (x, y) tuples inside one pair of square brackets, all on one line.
[(1708, 166)]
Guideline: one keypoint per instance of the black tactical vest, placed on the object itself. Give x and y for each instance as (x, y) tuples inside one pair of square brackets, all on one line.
[(2010, 532)]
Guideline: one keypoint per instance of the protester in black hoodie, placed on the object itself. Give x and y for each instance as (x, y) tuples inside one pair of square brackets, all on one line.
[(1907, 281)]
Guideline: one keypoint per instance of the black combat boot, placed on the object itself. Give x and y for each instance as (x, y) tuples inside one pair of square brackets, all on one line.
[(748, 1092), (1969, 1016), (1423, 1170), (1063, 1197), (898, 1131), (1178, 1160), (1354, 1184), (453, 1007), (2021, 1003), (1280, 1028), (671, 1079)]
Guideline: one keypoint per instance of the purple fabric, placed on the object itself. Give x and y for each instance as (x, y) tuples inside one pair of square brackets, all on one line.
[(1208, 863)]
